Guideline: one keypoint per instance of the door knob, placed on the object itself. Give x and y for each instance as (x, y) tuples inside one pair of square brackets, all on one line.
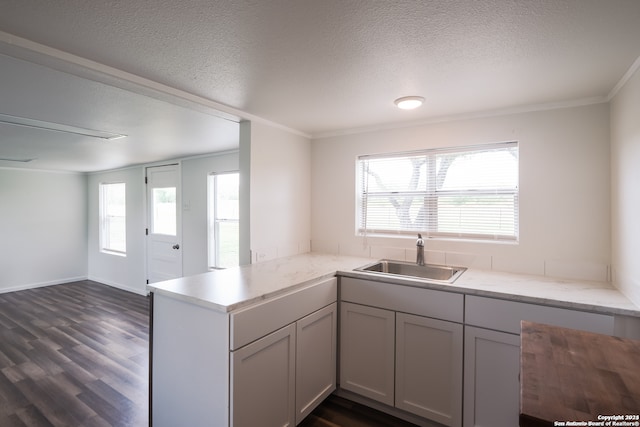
[(176, 246)]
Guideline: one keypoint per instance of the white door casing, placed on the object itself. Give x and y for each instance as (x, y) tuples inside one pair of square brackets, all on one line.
[(164, 223)]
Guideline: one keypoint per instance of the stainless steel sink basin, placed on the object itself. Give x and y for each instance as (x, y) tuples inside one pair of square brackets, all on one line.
[(428, 272)]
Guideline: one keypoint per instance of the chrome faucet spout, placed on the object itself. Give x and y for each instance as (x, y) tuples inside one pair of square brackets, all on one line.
[(420, 250)]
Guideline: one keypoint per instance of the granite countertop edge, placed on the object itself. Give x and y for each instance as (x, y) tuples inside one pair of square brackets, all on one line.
[(497, 292), (286, 275)]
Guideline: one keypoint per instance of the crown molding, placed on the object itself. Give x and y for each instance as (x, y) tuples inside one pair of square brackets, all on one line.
[(625, 78), (27, 50), (467, 116)]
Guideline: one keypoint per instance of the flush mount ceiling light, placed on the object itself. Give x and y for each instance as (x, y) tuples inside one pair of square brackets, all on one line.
[(409, 102), (57, 127)]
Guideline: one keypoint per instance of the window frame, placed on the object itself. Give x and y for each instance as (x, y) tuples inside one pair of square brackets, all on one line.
[(431, 195), (105, 219)]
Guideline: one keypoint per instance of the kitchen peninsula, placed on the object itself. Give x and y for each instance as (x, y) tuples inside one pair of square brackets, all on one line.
[(223, 348), (259, 342)]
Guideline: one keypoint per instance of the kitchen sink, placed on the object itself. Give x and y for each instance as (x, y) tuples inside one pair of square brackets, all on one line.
[(429, 272)]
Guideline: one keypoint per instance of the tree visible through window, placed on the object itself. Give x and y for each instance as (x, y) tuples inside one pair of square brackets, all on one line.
[(113, 214), (469, 192), (224, 220)]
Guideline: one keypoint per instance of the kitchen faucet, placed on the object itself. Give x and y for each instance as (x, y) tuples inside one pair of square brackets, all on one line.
[(420, 249)]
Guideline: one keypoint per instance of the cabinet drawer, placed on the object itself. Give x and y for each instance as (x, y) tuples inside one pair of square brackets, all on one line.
[(406, 299), (505, 316), (256, 321)]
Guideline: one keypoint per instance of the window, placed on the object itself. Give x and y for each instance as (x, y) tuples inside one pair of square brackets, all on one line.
[(224, 216), (164, 209), (469, 193), (112, 206)]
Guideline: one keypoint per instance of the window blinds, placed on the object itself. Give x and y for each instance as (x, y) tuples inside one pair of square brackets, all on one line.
[(469, 192)]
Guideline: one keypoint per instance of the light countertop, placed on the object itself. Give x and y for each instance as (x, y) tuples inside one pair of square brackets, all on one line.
[(601, 297), (231, 289)]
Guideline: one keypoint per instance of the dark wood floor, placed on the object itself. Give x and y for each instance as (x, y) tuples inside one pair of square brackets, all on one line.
[(77, 354), (339, 412)]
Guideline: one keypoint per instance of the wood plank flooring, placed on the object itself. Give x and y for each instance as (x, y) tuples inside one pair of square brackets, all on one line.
[(338, 412), (77, 354)]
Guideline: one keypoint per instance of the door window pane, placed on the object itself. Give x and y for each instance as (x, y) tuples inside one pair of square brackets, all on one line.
[(164, 211)]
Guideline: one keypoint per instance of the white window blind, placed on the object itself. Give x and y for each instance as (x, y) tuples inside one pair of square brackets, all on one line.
[(224, 220), (469, 192)]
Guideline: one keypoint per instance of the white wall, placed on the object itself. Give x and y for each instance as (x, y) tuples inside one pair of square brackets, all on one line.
[(244, 162), (279, 192), (130, 272), (625, 188), (194, 213), (564, 192), (126, 272), (304, 192), (43, 228)]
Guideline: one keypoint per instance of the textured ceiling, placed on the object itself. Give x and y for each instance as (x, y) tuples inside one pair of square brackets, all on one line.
[(156, 130), (333, 65)]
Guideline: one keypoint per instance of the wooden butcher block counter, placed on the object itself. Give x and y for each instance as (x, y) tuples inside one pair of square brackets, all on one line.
[(575, 378)]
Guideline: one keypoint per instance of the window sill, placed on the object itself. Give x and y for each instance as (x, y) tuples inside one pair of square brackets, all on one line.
[(108, 252)]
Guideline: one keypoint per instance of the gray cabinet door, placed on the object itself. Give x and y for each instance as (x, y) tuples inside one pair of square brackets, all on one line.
[(491, 370)]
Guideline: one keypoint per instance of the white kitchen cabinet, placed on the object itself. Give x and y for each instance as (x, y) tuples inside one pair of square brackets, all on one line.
[(279, 379), (393, 351), (316, 353), (263, 381), (406, 299), (503, 315), (429, 368), (492, 353), (266, 364), (491, 385), (367, 351)]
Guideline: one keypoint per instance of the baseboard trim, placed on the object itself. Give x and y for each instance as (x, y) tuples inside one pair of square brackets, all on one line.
[(42, 284), (143, 292)]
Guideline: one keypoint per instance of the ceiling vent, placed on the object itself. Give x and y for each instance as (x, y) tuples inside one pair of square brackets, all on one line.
[(9, 159), (58, 127)]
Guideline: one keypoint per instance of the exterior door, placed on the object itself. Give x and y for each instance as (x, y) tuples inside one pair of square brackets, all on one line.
[(164, 223)]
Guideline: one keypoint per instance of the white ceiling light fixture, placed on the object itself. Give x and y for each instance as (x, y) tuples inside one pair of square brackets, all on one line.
[(409, 102), (57, 127)]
